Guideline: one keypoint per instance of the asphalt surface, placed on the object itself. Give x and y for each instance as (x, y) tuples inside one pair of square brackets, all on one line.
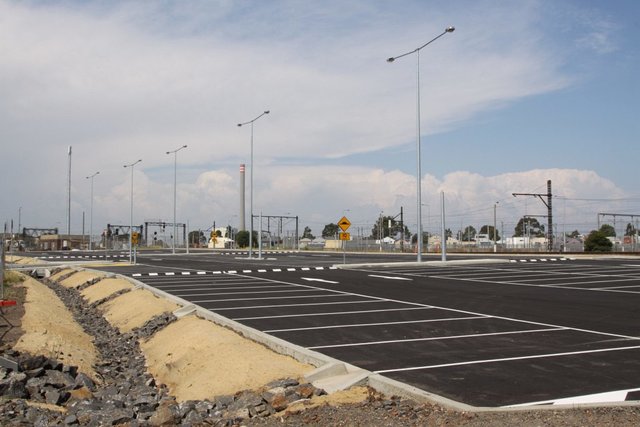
[(527, 330)]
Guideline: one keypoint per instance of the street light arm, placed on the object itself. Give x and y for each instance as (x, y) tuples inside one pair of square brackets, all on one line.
[(251, 121), (447, 30), (177, 149), (133, 164)]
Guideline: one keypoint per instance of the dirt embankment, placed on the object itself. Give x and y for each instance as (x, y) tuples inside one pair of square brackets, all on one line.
[(193, 357)]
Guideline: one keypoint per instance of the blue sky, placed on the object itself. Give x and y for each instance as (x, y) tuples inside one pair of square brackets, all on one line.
[(520, 93)]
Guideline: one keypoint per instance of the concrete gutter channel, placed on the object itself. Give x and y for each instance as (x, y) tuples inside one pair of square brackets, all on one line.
[(333, 374)]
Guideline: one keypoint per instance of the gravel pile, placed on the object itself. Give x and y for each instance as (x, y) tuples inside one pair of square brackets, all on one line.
[(125, 393)]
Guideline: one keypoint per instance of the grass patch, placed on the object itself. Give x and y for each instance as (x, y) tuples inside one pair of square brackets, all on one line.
[(11, 278)]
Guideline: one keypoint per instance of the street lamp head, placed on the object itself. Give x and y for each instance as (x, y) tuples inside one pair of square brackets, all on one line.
[(391, 59), (450, 29), (266, 112), (239, 124), (168, 152)]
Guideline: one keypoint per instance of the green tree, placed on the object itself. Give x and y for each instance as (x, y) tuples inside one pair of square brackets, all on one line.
[(631, 230), (488, 229), (597, 241), (195, 237), (448, 233), (387, 231), (528, 226), (469, 233), (306, 234), (608, 230), (425, 238), (574, 234), (330, 230), (242, 238)]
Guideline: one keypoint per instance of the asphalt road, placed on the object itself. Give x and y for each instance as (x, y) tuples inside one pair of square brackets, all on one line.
[(525, 331)]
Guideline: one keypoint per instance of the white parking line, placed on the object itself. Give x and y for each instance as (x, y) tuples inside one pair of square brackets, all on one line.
[(360, 325), (335, 313), (508, 359), (358, 344), (268, 298), (295, 305), (390, 277), (251, 293), (207, 288)]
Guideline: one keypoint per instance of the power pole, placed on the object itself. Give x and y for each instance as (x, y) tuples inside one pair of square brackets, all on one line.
[(547, 203)]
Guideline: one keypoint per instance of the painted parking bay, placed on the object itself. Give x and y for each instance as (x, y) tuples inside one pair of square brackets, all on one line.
[(483, 336)]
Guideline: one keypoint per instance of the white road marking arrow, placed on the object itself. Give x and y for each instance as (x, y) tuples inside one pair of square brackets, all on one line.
[(311, 279), (390, 277)]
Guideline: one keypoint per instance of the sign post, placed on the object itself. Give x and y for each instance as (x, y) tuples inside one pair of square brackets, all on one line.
[(344, 225)]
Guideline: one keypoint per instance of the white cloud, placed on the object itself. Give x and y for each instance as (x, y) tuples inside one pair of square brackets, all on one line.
[(107, 81), (321, 195), (136, 79)]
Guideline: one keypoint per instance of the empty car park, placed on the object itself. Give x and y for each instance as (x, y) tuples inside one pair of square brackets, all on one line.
[(515, 332)]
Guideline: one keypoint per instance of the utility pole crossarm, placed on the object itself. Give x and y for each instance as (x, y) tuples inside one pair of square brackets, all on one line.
[(547, 203), (538, 195)]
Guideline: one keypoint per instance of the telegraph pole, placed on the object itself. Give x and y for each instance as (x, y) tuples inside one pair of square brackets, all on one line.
[(547, 203)]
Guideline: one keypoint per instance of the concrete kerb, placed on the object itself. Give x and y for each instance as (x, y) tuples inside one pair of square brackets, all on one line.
[(392, 387), (423, 263), (301, 354)]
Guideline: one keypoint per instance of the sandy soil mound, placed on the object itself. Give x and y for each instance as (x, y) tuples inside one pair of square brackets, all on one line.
[(13, 259), (61, 273), (134, 309), (338, 398), (104, 288), (49, 329), (198, 359), (79, 278)]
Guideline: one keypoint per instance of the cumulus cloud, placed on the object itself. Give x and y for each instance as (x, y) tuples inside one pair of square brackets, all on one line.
[(127, 80), (321, 195)]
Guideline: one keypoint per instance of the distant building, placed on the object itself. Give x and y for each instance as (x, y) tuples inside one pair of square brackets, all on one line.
[(57, 242), (222, 238)]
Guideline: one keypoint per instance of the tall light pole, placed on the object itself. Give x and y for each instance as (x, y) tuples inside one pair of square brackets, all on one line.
[(251, 181), (69, 199), (131, 165), (175, 184), (495, 239), (418, 148), (91, 210)]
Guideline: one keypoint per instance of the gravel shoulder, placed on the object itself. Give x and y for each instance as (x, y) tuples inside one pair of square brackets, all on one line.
[(197, 371)]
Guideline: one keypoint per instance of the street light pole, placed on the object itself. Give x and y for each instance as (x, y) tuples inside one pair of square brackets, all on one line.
[(91, 210), (131, 165), (418, 148), (175, 184), (495, 239), (251, 182)]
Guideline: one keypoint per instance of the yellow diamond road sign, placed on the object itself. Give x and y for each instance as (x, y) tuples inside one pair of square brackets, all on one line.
[(344, 223)]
